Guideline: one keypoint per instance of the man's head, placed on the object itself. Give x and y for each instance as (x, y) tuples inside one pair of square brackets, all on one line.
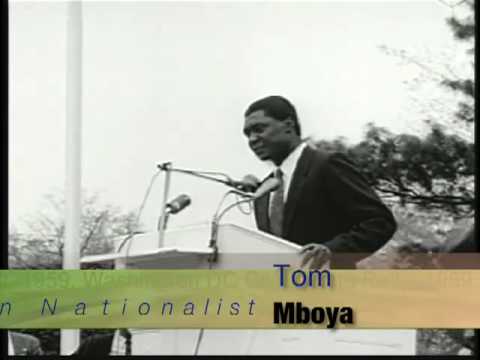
[(272, 128)]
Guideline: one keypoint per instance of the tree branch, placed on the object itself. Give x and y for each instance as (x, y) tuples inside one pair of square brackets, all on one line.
[(98, 220), (437, 199)]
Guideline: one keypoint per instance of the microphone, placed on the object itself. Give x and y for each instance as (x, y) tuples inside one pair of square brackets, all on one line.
[(269, 185), (249, 183), (173, 207), (178, 204)]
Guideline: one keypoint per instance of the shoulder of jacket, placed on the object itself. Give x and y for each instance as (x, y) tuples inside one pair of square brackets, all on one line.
[(322, 157)]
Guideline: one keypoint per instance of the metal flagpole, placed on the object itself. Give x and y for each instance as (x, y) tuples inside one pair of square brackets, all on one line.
[(70, 338)]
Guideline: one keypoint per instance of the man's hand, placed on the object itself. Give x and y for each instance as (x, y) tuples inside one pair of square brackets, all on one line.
[(318, 253)]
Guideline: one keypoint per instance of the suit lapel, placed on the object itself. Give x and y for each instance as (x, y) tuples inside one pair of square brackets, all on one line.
[(261, 213), (296, 187)]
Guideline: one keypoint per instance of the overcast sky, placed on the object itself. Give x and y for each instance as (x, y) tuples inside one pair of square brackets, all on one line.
[(170, 82)]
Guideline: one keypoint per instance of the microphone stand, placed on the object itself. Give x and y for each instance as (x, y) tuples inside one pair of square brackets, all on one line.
[(248, 197), (128, 341), (214, 238), (218, 216), (163, 219), (167, 167)]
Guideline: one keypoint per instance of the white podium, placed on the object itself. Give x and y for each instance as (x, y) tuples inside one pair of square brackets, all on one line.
[(187, 248)]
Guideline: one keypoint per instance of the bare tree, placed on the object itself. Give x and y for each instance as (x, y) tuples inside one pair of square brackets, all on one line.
[(41, 243)]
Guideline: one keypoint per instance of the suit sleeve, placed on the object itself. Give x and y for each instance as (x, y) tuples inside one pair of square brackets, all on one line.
[(372, 223)]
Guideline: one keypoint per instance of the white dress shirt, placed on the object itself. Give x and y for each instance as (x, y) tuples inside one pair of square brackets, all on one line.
[(288, 167)]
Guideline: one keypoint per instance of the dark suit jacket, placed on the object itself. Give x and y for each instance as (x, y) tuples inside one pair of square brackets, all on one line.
[(95, 346), (330, 202), (466, 243)]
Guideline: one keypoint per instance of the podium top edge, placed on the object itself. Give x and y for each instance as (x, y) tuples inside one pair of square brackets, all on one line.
[(158, 251)]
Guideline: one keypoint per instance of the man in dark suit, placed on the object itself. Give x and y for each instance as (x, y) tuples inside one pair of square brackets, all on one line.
[(323, 203)]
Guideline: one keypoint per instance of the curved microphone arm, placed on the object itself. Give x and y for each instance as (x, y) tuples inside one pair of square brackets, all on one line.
[(233, 191), (218, 216), (249, 199), (208, 175)]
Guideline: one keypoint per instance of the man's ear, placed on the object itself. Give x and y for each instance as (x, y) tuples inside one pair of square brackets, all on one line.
[(289, 125)]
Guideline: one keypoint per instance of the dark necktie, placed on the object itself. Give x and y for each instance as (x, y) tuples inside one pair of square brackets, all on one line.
[(276, 210)]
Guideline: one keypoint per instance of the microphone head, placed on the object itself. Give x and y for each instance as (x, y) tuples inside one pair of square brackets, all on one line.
[(249, 183), (251, 179), (179, 203), (269, 185)]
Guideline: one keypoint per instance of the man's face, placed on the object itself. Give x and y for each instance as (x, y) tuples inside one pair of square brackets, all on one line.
[(267, 137)]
